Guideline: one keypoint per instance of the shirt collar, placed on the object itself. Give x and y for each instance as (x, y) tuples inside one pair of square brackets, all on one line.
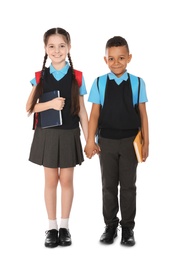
[(62, 71), (112, 76)]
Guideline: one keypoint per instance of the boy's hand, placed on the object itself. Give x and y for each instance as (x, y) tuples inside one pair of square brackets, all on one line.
[(91, 149), (145, 152)]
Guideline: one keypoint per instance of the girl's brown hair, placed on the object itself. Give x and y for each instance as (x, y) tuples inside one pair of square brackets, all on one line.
[(75, 106)]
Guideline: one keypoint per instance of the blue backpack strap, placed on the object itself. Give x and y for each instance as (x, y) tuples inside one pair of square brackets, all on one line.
[(98, 84), (139, 86)]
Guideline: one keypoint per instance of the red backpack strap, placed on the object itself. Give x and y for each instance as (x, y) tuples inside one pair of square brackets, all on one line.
[(35, 117), (37, 76), (35, 120), (78, 75)]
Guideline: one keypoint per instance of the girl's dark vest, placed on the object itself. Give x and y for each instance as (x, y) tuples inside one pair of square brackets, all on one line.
[(64, 86)]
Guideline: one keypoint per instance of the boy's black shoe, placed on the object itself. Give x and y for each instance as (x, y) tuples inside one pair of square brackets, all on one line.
[(51, 238), (109, 234), (64, 237), (127, 237)]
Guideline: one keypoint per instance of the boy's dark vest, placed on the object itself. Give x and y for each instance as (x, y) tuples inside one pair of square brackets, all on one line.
[(118, 117), (55, 84)]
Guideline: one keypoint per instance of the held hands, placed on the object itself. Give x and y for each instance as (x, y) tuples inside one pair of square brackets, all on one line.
[(58, 103), (91, 149)]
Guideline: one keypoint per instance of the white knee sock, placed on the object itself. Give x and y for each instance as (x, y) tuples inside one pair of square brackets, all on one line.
[(64, 223), (53, 224)]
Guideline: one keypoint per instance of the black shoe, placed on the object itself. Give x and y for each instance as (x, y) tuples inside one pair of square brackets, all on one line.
[(64, 237), (109, 234), (52, 238), (127, 237)]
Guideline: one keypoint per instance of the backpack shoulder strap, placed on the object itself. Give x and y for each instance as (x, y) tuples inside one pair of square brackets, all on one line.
[(98, 84), (35, 116), (78, 75), (139, 86), (105, 81), (37, 76)]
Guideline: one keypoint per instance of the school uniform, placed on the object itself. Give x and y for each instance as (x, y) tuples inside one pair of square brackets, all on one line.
[(117, 127), (58, 146)]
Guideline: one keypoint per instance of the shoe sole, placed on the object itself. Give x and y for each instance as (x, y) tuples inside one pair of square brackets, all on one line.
[(128, 245), (65, 243), (51, 245)]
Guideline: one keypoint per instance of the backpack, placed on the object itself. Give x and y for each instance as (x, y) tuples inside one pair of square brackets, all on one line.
[(78, 75), (139, 86), (136, 105)]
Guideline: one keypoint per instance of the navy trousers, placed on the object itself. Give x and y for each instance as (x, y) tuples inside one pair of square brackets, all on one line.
[(118, 170)]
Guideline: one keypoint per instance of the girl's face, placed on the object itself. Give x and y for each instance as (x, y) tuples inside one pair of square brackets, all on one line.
[(57, 50), (117, 59)]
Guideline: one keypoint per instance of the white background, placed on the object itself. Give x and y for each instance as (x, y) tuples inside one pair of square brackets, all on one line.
[(149, 27)]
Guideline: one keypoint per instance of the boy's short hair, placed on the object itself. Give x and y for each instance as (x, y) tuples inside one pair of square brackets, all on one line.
[(117, 41)]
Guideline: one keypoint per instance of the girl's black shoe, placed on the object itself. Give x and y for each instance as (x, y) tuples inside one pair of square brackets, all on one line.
[(64, 237), (51, 238)]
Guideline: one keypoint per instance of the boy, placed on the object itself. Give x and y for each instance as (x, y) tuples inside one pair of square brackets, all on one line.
[(114, 97)]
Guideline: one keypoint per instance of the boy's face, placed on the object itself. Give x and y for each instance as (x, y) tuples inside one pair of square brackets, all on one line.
[(117, 59)]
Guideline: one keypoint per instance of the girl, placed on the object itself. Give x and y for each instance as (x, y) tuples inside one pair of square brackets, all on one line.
[(58, 148)]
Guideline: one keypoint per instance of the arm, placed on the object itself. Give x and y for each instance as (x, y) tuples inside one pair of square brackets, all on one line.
[(83, 117), (145, 130), (28, 103), (56, 103), (91, 147)]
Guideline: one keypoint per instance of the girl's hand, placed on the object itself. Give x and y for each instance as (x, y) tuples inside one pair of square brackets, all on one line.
[(58, 103), (91, 149)]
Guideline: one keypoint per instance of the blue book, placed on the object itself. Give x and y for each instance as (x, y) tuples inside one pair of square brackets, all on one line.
[(50, 117)]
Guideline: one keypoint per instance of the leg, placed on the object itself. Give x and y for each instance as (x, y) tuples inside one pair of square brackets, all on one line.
[(127, 175), (110, 180), (51, 182), (67, 192)]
